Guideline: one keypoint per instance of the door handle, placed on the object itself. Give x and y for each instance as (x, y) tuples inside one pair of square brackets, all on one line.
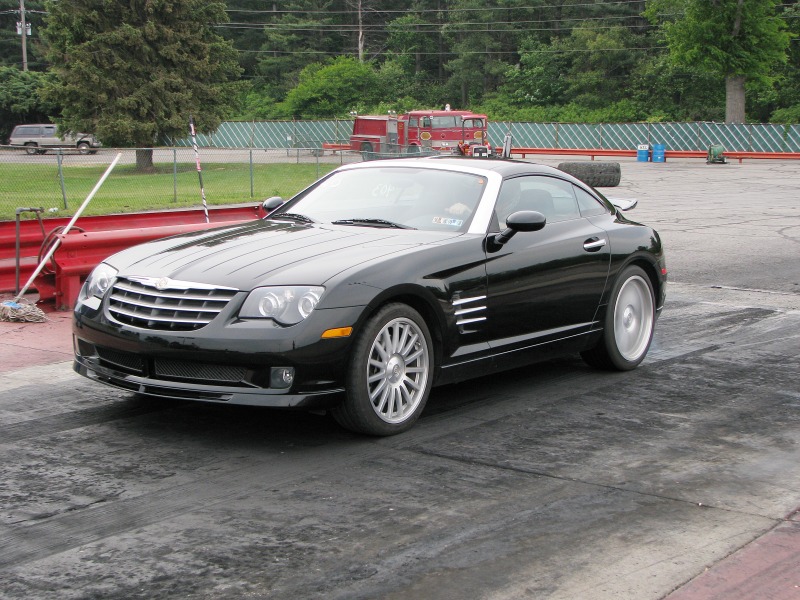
[(593, 244)]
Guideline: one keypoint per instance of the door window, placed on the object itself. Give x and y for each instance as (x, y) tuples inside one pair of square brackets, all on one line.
[(589, 205), (550, 196)]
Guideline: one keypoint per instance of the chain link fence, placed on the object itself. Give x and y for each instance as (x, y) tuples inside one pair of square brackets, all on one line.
[(59, 180), (251, 161), (750, 137)]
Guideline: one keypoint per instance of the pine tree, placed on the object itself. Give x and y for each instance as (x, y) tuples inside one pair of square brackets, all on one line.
[(134, 72)]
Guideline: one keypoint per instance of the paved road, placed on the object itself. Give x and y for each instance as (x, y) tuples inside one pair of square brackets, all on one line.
[(105, 156), (678, 480)]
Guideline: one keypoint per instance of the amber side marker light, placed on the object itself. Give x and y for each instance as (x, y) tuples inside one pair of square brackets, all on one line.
[(337, 332)]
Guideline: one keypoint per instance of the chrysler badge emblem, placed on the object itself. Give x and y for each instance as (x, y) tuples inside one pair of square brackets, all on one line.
[(162, 284)]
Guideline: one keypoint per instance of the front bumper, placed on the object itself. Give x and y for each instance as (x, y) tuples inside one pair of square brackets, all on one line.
[(227, 361), (92, 369)]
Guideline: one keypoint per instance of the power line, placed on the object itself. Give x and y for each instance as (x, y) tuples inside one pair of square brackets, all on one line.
[(414, 26), (447, 31), (467, 52), (435, 10)]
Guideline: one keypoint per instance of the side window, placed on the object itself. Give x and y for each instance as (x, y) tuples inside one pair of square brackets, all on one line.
[(426, 121), (444, 122), (550, 196), (413, 122), (49, 131), (589, 205)]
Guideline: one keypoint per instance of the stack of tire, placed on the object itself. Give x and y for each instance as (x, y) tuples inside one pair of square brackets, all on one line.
[(595, 174)]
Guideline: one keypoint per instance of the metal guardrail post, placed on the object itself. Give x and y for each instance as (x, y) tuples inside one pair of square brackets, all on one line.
[(174, 175), (18, 249), (252, 192), (61, 176)]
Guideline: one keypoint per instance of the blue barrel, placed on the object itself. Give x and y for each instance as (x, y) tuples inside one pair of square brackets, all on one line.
[(643, 152), (658, 153)]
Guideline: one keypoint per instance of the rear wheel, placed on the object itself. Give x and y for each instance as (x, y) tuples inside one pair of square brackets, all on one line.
[(366, 151), (390, 373), (31, 148), (83, 148), (629, 323)]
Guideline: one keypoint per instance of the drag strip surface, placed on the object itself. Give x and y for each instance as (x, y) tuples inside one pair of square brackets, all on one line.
[(554, 481)]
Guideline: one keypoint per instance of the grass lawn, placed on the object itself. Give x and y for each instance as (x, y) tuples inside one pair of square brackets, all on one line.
[(126, 190)]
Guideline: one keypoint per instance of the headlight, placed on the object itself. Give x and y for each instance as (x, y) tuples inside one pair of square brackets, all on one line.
[(286, 305), (98, 282)]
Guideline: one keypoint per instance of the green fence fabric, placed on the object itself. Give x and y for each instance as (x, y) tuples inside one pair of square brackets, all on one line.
[(272, 134), (758, 137)]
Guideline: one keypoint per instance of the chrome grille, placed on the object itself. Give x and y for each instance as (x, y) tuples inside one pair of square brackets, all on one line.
[(177, 306)]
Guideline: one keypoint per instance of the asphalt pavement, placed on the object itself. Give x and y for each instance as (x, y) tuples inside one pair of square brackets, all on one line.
[(679, 480)]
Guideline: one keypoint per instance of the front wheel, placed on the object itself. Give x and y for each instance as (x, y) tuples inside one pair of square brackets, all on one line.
[(390, 373), (84, 148), (629, 323), (31, 148)]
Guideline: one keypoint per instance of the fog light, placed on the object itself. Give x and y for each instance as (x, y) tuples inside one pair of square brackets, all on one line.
[(83, 348), (281, 377)]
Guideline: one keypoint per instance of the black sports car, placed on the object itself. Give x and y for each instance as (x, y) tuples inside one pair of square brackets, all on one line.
[(372, 285)]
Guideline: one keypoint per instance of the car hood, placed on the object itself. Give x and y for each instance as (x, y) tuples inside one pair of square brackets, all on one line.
[(268, 253)]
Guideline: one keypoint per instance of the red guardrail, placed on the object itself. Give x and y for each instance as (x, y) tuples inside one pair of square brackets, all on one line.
[(333, 147), (124, 225), (80, 252)]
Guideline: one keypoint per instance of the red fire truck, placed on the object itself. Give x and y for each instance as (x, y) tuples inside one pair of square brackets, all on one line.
[(455, 131)]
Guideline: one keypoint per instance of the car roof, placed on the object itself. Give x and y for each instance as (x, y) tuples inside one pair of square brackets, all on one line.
[(503, 167)]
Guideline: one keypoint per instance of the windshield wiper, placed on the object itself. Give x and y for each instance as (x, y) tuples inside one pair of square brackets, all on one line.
[(291, 217), (372, 223)]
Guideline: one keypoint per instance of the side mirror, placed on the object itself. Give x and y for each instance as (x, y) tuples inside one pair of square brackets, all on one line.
[(272, 203), (523, 220)]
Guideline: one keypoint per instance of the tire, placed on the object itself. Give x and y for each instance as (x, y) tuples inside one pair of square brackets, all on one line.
[(84, 148), (367, 152), (31, 148), (412, 150), (390, 373), (595, 174), (628, 324)]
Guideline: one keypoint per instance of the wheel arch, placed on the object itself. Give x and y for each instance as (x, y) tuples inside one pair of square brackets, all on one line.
[(649, 262), (421, 300), (652, 271)]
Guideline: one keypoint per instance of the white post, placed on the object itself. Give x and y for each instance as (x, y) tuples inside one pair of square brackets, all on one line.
[(57, 243)]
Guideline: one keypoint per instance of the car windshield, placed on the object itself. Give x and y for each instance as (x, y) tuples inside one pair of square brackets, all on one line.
[(397, 197)]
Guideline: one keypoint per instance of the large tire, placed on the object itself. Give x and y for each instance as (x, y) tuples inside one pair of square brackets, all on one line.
[(84, 148), (595, 174), (31, 148), (390, 373), (628, 324)]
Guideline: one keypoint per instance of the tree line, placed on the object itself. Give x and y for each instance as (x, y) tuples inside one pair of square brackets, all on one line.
[(134, 71)]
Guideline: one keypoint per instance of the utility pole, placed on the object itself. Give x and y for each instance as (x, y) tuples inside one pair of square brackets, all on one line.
[(360, 33), (24, 33)]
